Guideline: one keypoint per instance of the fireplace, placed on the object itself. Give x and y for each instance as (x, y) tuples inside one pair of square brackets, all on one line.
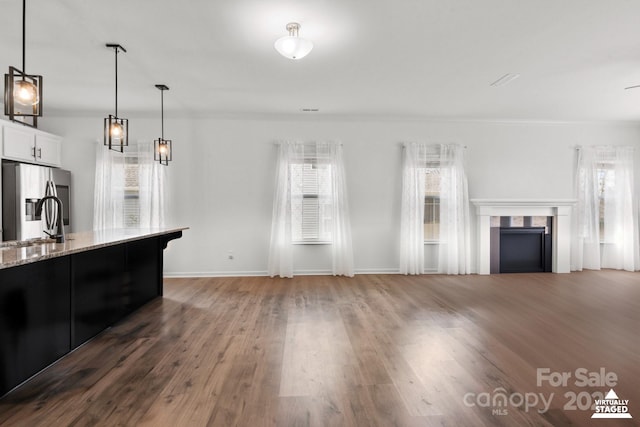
[(560, 239), (520, 250)]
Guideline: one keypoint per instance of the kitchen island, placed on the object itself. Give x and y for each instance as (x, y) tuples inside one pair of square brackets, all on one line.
[(56, 296)]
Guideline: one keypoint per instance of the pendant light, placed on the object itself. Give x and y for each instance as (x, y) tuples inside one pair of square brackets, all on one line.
[(293, 46), (116, 129), (162, 147), (22, 91)]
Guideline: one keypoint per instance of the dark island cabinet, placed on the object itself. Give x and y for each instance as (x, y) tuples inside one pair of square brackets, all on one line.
[(34, 318), (111, 282), (51, 306), (98, 286), (144, 272), (144, 269)]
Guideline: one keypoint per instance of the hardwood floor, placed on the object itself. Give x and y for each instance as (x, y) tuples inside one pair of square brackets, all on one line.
[(374, 350)]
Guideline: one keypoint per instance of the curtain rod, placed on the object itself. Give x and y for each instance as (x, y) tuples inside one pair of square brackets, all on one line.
[(404, 144), (578, 147), (340, 143), (307, 142)]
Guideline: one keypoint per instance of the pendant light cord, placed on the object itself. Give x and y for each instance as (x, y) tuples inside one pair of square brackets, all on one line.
[(116, 50), (162, 112), (24, 32)]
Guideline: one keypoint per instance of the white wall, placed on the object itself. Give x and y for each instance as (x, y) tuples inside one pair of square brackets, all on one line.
[(221, 179)]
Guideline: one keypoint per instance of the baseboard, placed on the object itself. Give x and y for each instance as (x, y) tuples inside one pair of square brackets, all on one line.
[(377, 271), (196, 274)]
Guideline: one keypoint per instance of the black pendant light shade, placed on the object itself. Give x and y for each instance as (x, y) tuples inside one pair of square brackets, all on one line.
[(162, 147), (116, 133), (22, 91), (116, 129)]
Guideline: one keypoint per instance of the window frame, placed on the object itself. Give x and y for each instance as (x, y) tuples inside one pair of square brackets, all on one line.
[(131, 160), (321, 239), (604, 168), (432, 164)]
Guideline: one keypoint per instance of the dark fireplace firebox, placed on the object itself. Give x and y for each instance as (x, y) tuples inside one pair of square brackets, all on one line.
[(520, 249)]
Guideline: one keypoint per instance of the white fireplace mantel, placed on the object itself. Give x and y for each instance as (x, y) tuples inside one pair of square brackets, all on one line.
[(559, 209)]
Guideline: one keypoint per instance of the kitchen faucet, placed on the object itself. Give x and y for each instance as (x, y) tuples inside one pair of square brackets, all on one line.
[(59, 236)]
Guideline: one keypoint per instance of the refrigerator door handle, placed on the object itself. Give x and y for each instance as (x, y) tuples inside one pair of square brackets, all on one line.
[(54, 191)]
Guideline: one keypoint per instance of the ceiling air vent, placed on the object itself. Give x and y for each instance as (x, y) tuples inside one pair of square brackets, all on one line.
[(504, 80)]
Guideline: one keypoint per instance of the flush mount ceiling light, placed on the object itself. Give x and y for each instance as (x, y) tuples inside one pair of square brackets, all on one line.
[(116, 129), (293, 46), (22, 91), (161, 146)]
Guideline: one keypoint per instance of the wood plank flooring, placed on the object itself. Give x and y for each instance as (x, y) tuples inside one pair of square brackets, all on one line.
[(374, 350)]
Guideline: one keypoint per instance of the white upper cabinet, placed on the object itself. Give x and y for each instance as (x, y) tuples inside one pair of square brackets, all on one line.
[(48, 149), (25, 144), (18, 143)]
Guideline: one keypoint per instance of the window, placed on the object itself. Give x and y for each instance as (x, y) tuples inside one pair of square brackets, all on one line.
[(310, 206), (432, 204), (606, 214), (311, 201), (434, 190), (129, 188), (131, 206), (606, 183), (604, 187)]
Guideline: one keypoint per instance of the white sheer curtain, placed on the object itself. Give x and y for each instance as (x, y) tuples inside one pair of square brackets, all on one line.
[(152, 191), (412, 208), (111, 180), (585, 242), (341, 244), (454, 253), (281, 246), (108, 201), (454, 235), (605, 221)]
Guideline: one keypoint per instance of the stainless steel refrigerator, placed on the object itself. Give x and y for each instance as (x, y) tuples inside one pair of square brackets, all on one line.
[(22, 186)]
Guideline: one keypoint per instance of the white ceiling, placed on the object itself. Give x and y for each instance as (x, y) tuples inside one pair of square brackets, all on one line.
[(415, 58)]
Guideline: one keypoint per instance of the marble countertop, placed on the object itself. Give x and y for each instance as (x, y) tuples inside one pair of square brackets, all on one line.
[(16, 253)]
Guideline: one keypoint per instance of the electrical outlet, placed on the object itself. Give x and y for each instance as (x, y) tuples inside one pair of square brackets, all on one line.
[(230, 255)]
